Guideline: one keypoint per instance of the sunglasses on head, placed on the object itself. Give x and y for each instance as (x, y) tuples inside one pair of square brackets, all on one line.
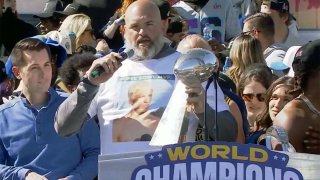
[(261, 97)]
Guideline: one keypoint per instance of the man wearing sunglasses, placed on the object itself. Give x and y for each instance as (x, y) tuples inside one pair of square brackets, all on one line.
[(262, 27)]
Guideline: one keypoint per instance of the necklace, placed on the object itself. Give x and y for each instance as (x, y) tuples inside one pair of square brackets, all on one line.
[(310, 105)]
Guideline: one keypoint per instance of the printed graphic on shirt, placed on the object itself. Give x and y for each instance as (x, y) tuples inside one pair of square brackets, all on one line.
[(145, 100)]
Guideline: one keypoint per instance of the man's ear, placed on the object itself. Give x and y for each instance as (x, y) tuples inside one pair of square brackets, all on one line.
[(16, 72)]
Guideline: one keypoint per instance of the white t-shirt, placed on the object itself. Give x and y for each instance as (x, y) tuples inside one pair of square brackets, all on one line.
[(112, 102), (220, 14)]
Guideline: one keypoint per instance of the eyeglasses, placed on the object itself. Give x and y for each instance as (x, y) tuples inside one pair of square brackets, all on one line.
[(261, 97)]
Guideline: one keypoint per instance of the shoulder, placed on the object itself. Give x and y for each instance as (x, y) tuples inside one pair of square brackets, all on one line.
[(294, 113), (9, 104)]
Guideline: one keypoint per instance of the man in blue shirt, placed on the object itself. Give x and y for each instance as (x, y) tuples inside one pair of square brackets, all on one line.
[(29, 146)]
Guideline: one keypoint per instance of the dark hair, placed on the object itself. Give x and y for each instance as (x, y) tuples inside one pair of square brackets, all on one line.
[(262, 22), (256, 72), (26, 44), (68, 72), (305, 65), (86, 49), (265, 120)]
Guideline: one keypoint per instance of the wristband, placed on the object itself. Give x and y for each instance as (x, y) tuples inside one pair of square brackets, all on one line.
[(85, 80)]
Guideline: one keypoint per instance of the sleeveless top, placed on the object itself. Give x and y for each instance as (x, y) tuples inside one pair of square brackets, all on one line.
[(309, 104)]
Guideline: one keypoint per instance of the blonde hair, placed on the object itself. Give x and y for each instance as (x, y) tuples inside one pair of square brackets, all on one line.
[(246, 50), (76, 23)]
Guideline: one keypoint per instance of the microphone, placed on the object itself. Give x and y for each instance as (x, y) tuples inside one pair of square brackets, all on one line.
[(146, 137), (127, 53)]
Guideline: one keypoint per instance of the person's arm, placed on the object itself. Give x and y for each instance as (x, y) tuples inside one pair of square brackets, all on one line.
[(112, 28), (89, 138), (9, 172), (113, 25), (72, 113), (235, 111), (293, 119)]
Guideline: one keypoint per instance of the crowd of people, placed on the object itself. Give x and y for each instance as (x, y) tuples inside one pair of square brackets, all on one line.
[(56, 117)]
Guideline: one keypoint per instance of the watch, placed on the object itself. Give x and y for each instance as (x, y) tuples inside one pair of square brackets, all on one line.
[(85, 80)]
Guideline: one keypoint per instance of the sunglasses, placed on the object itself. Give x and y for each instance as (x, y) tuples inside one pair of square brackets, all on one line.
[(251, 32), (261, 97)]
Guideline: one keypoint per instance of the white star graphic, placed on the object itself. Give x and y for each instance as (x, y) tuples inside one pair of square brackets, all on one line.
[(159, 155), (275, 157), (283, 159), (151, 157)]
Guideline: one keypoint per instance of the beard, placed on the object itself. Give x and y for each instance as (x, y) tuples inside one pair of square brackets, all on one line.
[(147, 52)]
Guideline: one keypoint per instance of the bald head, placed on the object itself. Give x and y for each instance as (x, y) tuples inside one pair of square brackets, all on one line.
[(144, 29), (193, 41), (142, 8)]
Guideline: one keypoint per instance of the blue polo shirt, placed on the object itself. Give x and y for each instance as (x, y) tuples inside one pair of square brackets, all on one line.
[(28, 141)]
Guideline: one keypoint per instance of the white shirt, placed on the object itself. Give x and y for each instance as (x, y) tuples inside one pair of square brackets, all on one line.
[(220, 14), (111, 101)]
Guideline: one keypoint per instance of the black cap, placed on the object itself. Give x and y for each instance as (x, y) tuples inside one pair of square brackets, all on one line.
[(164, 7), (279, 5), (307, 57), (49, 9), (72, 8)]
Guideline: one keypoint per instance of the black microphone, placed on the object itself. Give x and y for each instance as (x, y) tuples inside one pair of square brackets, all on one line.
[(146, 137), (127, 53)]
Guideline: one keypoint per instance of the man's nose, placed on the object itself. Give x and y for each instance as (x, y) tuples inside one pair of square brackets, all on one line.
[(142, 32)]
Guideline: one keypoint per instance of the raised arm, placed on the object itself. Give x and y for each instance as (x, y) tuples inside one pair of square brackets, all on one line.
[(72, 113)]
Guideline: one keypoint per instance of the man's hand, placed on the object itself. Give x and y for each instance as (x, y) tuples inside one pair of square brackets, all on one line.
[(35, 176), (109, 63), (312, 140), (195, 93), (103, 46)]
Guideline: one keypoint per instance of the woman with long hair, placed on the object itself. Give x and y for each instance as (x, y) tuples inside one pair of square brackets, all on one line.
[(246, 50), (252, 88), (277, 96)]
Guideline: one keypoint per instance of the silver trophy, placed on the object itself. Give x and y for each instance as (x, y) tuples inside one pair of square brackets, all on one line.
[(199, 63), (196, 63)]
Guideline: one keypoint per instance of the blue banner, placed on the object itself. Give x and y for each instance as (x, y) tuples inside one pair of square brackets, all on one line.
[(216, 160)]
